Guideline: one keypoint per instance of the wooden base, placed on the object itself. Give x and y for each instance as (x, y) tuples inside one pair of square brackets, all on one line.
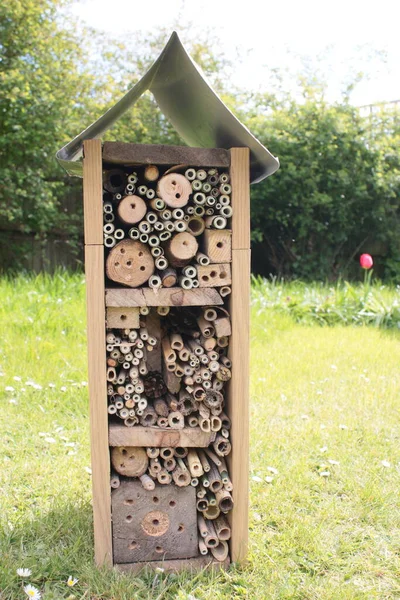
[(174, 566), (188, 437), (163, 297)]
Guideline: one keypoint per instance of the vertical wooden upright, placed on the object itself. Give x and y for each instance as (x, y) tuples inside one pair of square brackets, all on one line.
[(94, 268), (239, 350)]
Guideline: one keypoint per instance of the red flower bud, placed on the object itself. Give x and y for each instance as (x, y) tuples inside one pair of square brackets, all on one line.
[(366, 261)]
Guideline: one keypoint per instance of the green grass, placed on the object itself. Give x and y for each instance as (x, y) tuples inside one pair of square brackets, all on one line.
[(318, 394)]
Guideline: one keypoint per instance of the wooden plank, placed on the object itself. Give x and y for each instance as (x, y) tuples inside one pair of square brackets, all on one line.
[(188, 437), (162, 297), (240, 181), (155, 154), (175, 566), (94, 263), (238, 401), (93, 192)]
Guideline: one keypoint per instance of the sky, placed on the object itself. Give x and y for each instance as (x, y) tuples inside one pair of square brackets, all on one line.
[(340, 38)]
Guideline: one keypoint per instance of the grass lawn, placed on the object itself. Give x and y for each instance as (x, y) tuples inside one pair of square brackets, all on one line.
[(324, 431)]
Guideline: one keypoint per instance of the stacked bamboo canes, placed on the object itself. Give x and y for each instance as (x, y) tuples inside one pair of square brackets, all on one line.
[(167, 214)]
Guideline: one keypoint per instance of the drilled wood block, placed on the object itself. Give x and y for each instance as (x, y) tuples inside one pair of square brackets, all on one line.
[(153, 525), (123, 318), (214, 275), (217, 244)]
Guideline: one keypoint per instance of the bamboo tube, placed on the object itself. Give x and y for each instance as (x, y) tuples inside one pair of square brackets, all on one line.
[(115, 481), (153, 452), (202, 548), (111, 374), (216, 423), (181, 477), (216, 460), (194, 463), (204, 462), (172, 402), (180, 452), (164, 477), (155, 465), (168, 353), (225, 421), (147, 483), (205, 425), (163, 310), (205, 327), (190, 174), (196, 185), (211, 538), (131, 421), (215, 479), (176, 420), (162, 422), (184, 354), (179, 372), (202, 526), (220, 553), (202, 504), (185, 282), (211, 512), (217, 385), (195, 225), (176, 341), (222, 528), (210, 314), (119, 403), (149, 417), (208, 343), (222, 446), (212, 501), (193, 421), (195, 347), (155, 281), (112, 409), (202, 259), (161, 407), (205, 482), (170, 464), (224, 500), (166, 453)]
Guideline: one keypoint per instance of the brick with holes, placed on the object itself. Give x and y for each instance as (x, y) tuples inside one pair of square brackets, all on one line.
[(153, 525)]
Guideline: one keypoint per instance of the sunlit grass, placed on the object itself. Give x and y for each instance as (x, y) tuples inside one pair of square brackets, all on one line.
[(319, 396)]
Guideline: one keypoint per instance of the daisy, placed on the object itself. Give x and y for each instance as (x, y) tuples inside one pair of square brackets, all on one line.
[(71, 581), (32, 592), (24, 572)]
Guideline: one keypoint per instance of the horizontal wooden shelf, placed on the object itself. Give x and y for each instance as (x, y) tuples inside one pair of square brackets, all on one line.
[(188, 437), (154, 154), (183, 564), (163, 297)]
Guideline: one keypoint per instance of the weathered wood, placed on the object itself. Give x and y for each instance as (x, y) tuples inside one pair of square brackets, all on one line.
[(126, 317), (92, 192), (240, 178), (174, 189), (222, 326), (94, 267), (153, 359), (214, 275), (188, 437), (175, 566), (148, 525), (132, 209), (181, 248), (130, 263), (238, 402), (154, 154), (163, 297), (217, 245), (129, 461)]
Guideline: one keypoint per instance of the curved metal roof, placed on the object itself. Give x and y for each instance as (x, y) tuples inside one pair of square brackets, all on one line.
[(191, 105)]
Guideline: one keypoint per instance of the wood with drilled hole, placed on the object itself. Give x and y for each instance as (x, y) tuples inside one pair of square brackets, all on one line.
[(122, 318), (214, 275), (132, 209), (217, 245), (130, 262)]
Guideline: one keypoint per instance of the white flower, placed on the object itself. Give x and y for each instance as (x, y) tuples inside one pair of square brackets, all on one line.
[(12, 401), (323, 449), (42, 434), (269, 479), (63, 388), (84, 383), (273, 470), (257, 478), (16, 378), (159, 570), (333, 462), (88, 470), (50, 440), (324, 474), (385, 463), (305, 417), (343, 426), (24, 572), (32, 592), (9, 388), (52, 385), (70, 444), (71, 582)]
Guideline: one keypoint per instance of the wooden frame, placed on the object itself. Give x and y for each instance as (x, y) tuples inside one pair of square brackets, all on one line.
[(98, 298)]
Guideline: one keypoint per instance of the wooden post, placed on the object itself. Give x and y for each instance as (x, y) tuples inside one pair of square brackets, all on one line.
[(238, 400), (94, 266)]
